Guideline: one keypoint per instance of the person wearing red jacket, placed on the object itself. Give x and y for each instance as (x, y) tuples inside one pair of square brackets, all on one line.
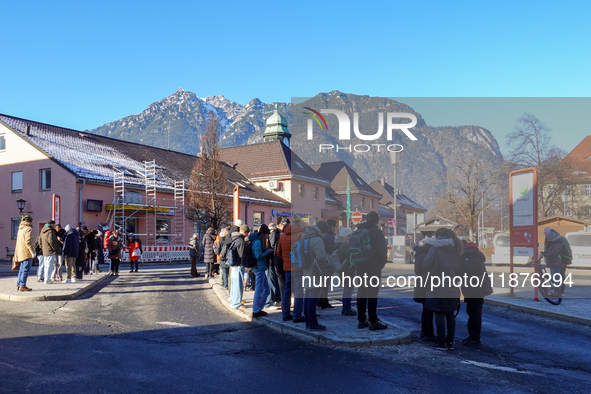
[(293, 275), (134, 248)]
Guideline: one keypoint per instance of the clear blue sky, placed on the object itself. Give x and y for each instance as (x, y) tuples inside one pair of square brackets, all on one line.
[(82, 64)]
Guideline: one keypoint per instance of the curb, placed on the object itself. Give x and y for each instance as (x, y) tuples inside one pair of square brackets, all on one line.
[(539, 312), (62, 297), (402, 337)]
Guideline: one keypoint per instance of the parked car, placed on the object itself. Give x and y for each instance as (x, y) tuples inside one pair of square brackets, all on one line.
[(500, 252), (580, 244)]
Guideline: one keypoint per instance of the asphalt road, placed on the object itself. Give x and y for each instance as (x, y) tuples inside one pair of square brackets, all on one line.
[(161, 331)]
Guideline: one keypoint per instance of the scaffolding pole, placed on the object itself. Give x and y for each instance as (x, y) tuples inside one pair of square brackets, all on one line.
[(150, 172)]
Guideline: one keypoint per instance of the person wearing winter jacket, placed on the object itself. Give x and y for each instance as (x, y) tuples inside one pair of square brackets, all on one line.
[(274, 299), (49, 245), (90, 245), (293, 275), (367, 296), (81, 260), (238, 235), (56, 275), (208, 243), (114, 246), (472, 265), (98, 247), (328, 228), (24, 251), (420, 292), (71, 249), (341, 243), (221, 249), (194, 254), (442, 260), (313, 275), (134, 257), (262, 283), (556, 258)]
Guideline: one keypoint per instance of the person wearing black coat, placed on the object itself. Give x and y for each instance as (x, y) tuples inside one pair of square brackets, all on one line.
[(444, 299), (71, 249), (367, 296), (98, 247), (90, 244), (81, 259), (472, 265), (420, 293), (208, 253)]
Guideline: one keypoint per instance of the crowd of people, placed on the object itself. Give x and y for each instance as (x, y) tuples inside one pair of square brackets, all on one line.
[(275, 279), (75, 251), (290, 258)]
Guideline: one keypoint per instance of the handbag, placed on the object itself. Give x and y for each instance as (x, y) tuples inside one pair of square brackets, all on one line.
[(136, 253), (16, 265)]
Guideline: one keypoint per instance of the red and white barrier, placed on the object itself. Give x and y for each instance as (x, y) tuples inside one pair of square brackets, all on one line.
[(157, 253)]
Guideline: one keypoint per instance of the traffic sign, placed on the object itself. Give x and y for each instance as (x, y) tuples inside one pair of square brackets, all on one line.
[(392, 222), (356, 217)]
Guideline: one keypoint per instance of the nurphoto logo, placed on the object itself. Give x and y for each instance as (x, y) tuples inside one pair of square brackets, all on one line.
[(344, 131)]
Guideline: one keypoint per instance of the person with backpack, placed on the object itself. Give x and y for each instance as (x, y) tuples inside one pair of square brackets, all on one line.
[(444, 300), (255, 250), (369, 262), (208, 243), (420, 292), (472, 265), (194, 254), (565, 255), (558, 255), (236, 251), (328, 228), (341, 243), (316, 265)]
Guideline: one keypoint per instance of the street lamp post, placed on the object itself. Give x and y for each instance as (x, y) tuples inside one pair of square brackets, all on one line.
[(394, 160)]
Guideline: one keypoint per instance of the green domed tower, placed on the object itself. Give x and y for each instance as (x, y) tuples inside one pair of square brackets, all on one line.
[(276, 129)]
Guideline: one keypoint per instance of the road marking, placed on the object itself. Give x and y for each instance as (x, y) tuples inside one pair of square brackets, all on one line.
[(170, 323), (497, 367)]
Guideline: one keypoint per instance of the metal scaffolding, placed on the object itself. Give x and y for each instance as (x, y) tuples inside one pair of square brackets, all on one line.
[(175, 214)]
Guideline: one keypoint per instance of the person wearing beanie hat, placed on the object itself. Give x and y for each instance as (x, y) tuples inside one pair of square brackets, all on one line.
[(24, 252), (297, 221), (367, 296), (244, 228)]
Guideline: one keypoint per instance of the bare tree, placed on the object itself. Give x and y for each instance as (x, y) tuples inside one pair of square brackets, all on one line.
[(209, 194), (531, 146), (471, 186)]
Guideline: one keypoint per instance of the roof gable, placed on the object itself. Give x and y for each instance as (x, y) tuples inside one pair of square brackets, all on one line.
[(96, 158), (338, 173)]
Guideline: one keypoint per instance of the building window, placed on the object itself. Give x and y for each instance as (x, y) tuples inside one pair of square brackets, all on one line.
[(162, 226), (257, 218), (17, 182), (15, 223), (132, 197), (588, 190), (362, 202), (315, 193), (2, 142), (45, 179), (300, 190), (587, 210), (371, 203)]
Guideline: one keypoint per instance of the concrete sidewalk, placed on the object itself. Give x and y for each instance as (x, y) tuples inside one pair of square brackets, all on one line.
[(42, 292), (574, 310), (340, 330)]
